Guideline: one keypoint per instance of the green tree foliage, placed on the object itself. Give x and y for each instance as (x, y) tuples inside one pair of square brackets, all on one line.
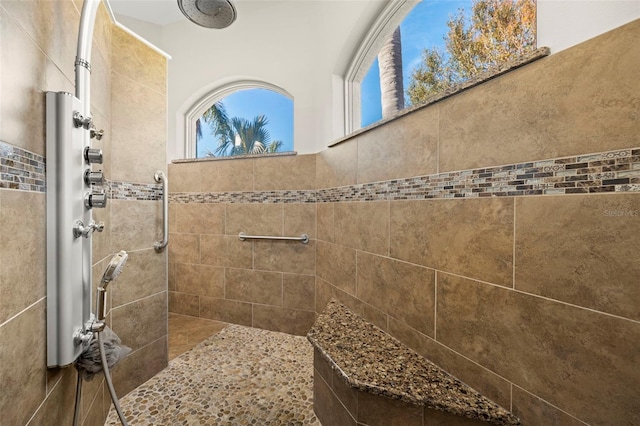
[(497, 31), (237, 136), (215, 116)]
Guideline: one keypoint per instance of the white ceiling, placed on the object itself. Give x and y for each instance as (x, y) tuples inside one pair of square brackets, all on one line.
[(159, 12), (165, 12)]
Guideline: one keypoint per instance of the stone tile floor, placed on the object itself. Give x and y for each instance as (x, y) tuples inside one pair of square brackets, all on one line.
[(221, 374)]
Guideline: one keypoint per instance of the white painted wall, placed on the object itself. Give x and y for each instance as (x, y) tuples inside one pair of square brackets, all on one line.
[(305, 47), (565, 23)]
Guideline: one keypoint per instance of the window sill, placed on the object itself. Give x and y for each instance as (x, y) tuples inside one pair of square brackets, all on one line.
[(235, 157), (539, 53)]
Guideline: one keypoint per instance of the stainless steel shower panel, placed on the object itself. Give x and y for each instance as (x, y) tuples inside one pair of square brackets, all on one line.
[(93, 178), (96, 199), (66, 278), (93, 155)]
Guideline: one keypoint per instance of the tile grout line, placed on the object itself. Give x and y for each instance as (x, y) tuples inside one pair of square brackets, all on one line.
[(511, 397), (389, 228), (513, 278), (115, 308), (438, 140), (356, 277), (548, 403), (498, 286), (435, 305), (8, 320)]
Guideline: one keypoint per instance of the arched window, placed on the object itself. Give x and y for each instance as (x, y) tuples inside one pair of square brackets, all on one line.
[(240, 118), (418, 49), (366, 54)]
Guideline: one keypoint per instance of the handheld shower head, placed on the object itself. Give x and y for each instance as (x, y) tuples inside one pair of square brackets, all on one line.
[(111, 273), (114, 268), (209, 13)]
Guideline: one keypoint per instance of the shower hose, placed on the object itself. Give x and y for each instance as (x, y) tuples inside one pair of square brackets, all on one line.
[(107, 377)]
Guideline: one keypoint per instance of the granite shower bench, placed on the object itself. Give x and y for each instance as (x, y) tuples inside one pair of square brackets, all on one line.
[(363, 376)]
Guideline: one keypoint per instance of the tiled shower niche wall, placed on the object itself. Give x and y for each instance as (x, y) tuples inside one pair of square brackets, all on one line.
[(212, 274), (496, 232)]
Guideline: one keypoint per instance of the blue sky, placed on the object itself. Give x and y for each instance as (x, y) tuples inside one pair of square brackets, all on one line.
[(425, 26), (251, 103)]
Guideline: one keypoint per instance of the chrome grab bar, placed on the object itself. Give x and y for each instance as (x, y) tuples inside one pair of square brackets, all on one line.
[(160, 177), (304, 238)]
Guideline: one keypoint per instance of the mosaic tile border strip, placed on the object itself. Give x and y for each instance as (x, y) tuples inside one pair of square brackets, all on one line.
[(24, 170), (117, 190), (257, 197), (21, 169), (612, 171)]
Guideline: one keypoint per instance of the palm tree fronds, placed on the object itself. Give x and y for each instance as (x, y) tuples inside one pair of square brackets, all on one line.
[(237, 135)]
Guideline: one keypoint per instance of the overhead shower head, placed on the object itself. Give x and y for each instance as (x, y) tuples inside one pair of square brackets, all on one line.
[(115, 267), (209, 13)]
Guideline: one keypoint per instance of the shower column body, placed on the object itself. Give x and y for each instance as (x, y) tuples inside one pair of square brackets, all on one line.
[(70, 198)]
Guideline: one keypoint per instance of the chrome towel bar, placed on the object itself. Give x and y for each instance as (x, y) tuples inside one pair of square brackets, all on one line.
[(160, 177), (304, 238)]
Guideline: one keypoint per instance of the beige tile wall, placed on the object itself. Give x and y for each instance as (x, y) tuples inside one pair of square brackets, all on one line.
[(139, 298), (37, 46), (531, 300), (472, 237), (35, 58), (579, 270), (565, 113), (414, 153), (266, 284)]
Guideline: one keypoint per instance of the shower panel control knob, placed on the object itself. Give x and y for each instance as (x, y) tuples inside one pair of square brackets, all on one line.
[(80, 120), (93, 178), (98, 134), (95, 199), (84, 231), (93, 155)]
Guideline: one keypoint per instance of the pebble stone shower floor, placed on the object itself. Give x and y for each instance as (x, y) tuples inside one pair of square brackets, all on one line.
[(238, 376)]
